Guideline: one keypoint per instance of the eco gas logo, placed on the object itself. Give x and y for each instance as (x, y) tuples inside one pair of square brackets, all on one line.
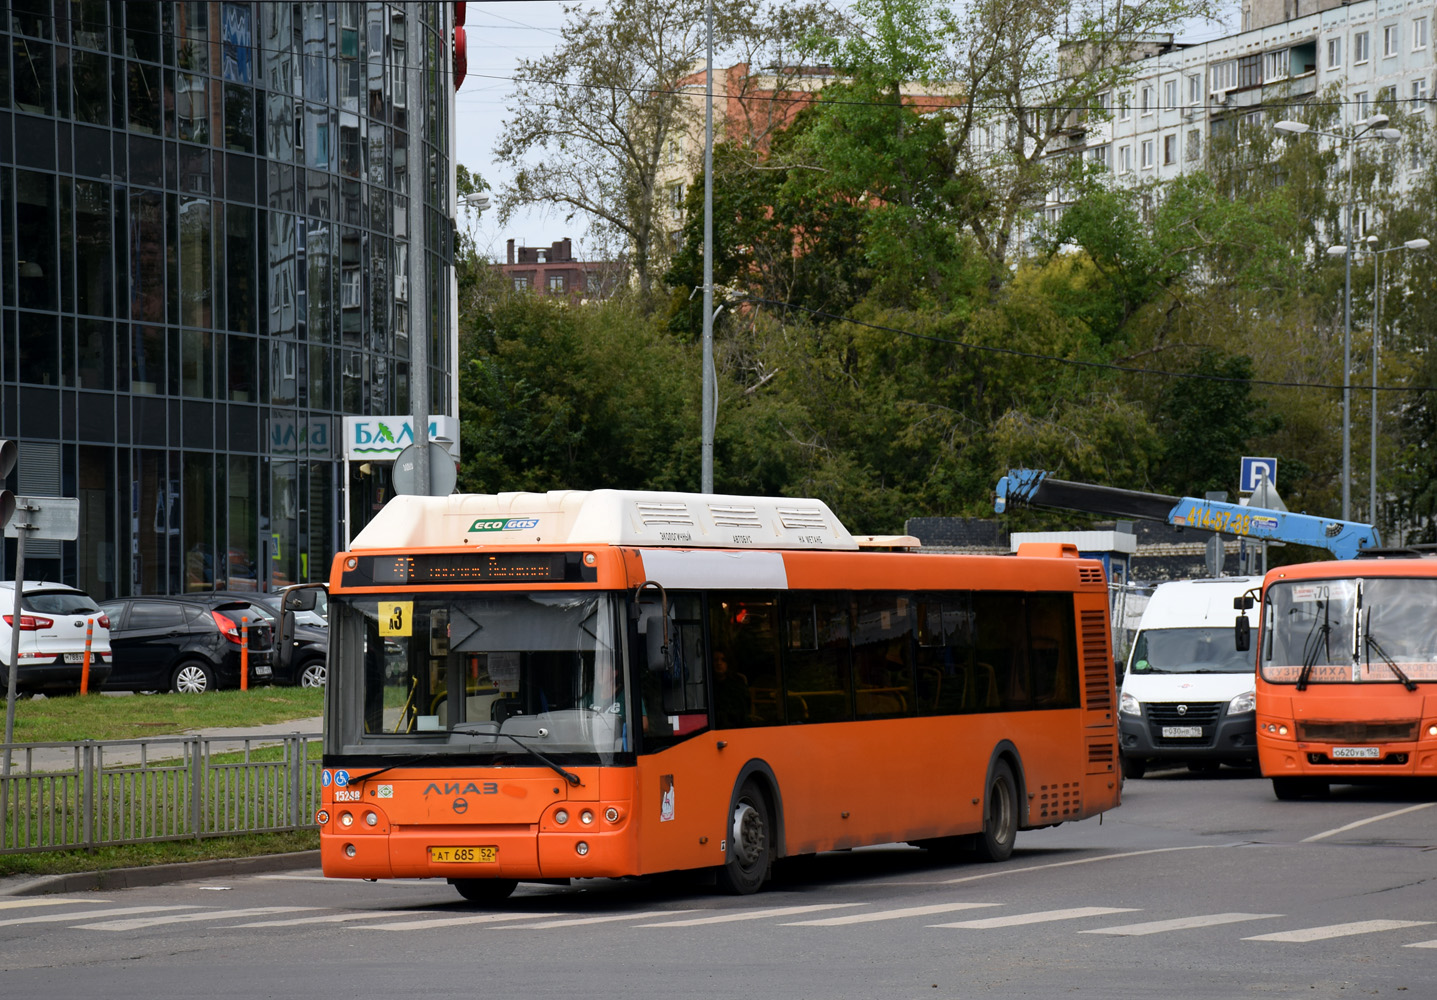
[(505, 524)]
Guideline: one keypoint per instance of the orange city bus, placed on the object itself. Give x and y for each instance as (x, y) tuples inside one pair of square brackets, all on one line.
[(1347, 672), (547, 686)]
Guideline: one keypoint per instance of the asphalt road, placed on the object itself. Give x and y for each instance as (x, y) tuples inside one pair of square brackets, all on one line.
[(1197, 887)]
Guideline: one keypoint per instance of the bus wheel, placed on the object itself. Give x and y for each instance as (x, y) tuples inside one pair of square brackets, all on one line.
[(1287, 789), (1000, 816), (484, 890), (750, 851)]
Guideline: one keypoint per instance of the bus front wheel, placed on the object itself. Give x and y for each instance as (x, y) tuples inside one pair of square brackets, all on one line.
[(1287, 789), (1000, 816), (484, 890), (750, 843)]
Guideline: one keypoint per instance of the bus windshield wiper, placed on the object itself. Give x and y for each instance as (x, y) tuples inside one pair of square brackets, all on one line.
[(401, 762), (1316, 642), (1372, 643), (558, 769)]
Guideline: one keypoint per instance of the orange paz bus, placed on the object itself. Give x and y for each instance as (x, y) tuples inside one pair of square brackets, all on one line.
[(1347, 672), (546, 686)]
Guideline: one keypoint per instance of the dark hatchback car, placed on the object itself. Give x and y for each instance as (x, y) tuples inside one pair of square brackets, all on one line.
[(187, 644), (304, 663)]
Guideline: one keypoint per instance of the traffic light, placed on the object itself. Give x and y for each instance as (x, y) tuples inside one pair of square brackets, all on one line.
[(7, 498)]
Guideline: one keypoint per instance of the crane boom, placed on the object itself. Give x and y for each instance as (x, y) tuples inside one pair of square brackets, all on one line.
[(1035, 488)]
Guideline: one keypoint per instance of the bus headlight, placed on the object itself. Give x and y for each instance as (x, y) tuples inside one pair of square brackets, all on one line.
[(1245, 702), (586, 817), (371, 818), (561, 817), (1432, 730), (612, 815), (349, 850), (582, 848), (346, 819), (1128, 705)]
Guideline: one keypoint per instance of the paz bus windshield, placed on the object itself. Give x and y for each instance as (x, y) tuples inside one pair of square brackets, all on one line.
[(537, 670), (1358, 630)]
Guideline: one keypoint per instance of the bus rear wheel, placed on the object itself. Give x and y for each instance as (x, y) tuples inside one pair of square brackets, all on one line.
[(1000, 816), (750, 844), (485, 890)]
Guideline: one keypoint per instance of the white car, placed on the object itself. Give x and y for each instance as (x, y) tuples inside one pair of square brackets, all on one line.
[(54, 623)]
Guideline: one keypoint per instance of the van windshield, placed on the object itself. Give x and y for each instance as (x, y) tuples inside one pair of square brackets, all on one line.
[(1189, 651)]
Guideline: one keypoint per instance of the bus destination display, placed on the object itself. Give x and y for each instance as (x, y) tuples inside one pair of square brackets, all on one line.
[(459, 568)]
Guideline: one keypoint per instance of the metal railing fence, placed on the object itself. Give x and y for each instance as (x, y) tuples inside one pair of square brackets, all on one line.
[(62, 796)]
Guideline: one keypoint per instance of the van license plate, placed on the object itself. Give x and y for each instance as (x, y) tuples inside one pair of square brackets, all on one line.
[(1181, 732), (1356, 752), (464, 855)]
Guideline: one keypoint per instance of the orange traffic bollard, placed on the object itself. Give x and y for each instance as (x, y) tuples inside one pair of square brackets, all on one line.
[(85, 663), (244, 653)]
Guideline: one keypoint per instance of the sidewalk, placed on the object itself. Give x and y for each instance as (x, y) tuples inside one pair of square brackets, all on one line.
[(130, 878), (128, 752)]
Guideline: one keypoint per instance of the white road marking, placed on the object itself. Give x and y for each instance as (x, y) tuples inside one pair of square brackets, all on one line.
[(608, 919), (1040, 917), (1339, 930), (1363, 822), (908, 911), (181, 918), (335, 918), (736, 915), (1422, 944), (483, 918), (56, 918), (1083, 861), (1179, 924), (21, 903)]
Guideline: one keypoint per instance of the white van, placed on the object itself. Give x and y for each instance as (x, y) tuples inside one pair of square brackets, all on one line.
[(1187, 694)]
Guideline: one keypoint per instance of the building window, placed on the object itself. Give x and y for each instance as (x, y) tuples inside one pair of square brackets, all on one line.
[(1224, 76), (1125, 159), (1105, 102), (1147, 154), (1419, 93), (1125, 106), (1170, 149), (1146, 102), (1334, 53), (1419, 33), (521, 282), (1195, 89), (1249, 71), (1277, 65), (1360, 50), (1098, 156), (1364, 106), (556, 284), (1387, 95), (1170, 95), (1194, 149), (1389, 40), (676, 200)]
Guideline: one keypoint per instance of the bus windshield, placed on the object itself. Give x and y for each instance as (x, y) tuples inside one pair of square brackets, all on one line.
[(1188, 651), (1363, 630), (540, 671)]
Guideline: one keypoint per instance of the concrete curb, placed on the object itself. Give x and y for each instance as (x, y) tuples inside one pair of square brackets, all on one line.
[(130, 878)]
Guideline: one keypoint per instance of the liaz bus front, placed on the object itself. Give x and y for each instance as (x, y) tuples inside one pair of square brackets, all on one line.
[(476, 722), (1347, 673)]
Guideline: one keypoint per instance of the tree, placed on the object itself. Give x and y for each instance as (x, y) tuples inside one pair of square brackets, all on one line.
[(600, 109)]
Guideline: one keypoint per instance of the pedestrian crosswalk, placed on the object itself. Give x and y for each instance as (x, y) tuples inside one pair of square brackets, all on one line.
[(43, 915)]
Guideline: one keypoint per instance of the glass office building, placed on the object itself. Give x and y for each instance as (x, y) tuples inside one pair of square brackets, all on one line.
[(204, 241)]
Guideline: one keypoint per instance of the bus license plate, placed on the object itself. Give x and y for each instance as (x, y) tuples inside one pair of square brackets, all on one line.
[(1355, 752), (464, 855), (1181, 732)]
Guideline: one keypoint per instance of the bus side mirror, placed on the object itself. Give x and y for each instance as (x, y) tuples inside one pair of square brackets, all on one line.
[(1241, 634), (305, 598)]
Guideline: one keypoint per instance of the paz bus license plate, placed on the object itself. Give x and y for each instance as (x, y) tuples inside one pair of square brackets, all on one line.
[(1181, 732), (465, 855), (1356, 752)]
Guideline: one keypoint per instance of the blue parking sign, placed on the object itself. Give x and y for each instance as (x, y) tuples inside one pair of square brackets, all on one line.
[(1252, 469)]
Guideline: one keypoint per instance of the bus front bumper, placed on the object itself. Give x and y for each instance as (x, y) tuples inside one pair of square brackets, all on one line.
[(508, 851)]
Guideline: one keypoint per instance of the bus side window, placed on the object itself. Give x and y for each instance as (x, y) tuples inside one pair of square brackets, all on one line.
[(743, 631)]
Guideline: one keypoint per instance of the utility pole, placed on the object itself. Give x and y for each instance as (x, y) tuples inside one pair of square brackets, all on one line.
[(415, 121), (706, 476)]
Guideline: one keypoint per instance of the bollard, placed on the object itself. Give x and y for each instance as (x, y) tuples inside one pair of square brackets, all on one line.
[(85, 663), (244, 653)]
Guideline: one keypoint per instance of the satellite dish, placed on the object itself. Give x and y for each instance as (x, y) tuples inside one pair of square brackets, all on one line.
[(442, 475)]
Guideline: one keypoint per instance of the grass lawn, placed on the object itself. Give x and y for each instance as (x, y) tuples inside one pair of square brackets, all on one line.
[(124, 717), (167, 852)]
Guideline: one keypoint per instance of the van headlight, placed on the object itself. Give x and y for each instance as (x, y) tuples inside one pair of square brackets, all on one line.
[(1128, 705), (1245, 702)]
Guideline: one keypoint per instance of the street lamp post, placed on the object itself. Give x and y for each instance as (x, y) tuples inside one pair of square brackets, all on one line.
[(1376, 255), (1370, 128)]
